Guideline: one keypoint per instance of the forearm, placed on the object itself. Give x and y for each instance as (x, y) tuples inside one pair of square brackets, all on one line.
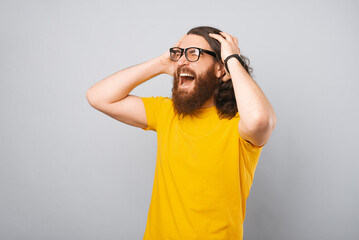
[(254, 109), (118, 85)]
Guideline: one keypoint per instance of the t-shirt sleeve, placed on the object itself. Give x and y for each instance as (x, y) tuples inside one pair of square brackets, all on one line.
[(153, 108), (249, 160)]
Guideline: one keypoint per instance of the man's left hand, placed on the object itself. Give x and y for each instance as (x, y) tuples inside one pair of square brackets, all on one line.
[(229, 46)]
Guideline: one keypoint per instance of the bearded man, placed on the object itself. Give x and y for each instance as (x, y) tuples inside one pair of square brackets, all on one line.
[(210, 133)]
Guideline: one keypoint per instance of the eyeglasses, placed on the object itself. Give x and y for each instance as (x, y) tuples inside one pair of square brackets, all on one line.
[(192, 53)]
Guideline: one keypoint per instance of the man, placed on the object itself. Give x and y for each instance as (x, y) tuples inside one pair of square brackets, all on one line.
[(210, 134)]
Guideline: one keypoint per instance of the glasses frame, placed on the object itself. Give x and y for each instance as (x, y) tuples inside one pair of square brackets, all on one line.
[(184, 50)]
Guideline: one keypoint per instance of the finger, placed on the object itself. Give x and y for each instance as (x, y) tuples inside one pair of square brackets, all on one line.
[(217, 36), (235, 40), (226, 36), (179, 41)]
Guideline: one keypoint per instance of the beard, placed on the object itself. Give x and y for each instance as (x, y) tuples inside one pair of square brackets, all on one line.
[(186, 102)]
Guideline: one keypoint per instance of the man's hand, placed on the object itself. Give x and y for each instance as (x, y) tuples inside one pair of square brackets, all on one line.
[(166, 62), (229, 46), (257, 117)]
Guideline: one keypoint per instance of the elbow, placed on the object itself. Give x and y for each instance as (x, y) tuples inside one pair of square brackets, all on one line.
[(262, 127), (262, 123), (258, 130), (265, 128), (90, 98), (271, 121)]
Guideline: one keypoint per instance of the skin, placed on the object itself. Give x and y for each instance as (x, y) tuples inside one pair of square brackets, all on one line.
[(187, 99), (257, 118), (201, 66)]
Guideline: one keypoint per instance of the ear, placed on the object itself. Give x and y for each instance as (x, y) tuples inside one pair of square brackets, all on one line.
[(226, 77), (222, 73)]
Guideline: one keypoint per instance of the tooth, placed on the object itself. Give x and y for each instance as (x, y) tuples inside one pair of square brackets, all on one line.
[(185, 75)]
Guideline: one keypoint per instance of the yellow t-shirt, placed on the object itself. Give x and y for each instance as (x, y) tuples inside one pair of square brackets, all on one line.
[(204, 171)]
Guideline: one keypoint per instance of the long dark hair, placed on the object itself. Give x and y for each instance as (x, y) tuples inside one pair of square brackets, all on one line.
[(224, 95)]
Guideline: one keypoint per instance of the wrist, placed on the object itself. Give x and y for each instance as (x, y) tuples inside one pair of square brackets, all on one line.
[(164, 64), (233, 58)]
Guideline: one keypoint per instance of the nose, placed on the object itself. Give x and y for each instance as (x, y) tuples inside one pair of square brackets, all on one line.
[(182, 61)]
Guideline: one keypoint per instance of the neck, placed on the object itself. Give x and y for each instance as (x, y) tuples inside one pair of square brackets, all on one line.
[(209, 103)]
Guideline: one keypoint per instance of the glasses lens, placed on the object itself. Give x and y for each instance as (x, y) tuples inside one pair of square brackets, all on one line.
[(175, 53), (192, 54)]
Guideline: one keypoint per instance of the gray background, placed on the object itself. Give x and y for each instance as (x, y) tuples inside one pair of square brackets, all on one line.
[(68, 171)]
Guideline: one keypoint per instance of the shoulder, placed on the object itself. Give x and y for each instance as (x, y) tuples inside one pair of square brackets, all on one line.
[(157, 103), (158, 100)]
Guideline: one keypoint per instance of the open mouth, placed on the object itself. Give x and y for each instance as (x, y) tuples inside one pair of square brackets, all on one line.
[(186, 79)]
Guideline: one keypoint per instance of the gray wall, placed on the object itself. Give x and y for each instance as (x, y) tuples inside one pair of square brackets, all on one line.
[(68, 171)]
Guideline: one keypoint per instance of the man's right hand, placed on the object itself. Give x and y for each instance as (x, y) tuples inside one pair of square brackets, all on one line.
[(166, 62), (111, 95)]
